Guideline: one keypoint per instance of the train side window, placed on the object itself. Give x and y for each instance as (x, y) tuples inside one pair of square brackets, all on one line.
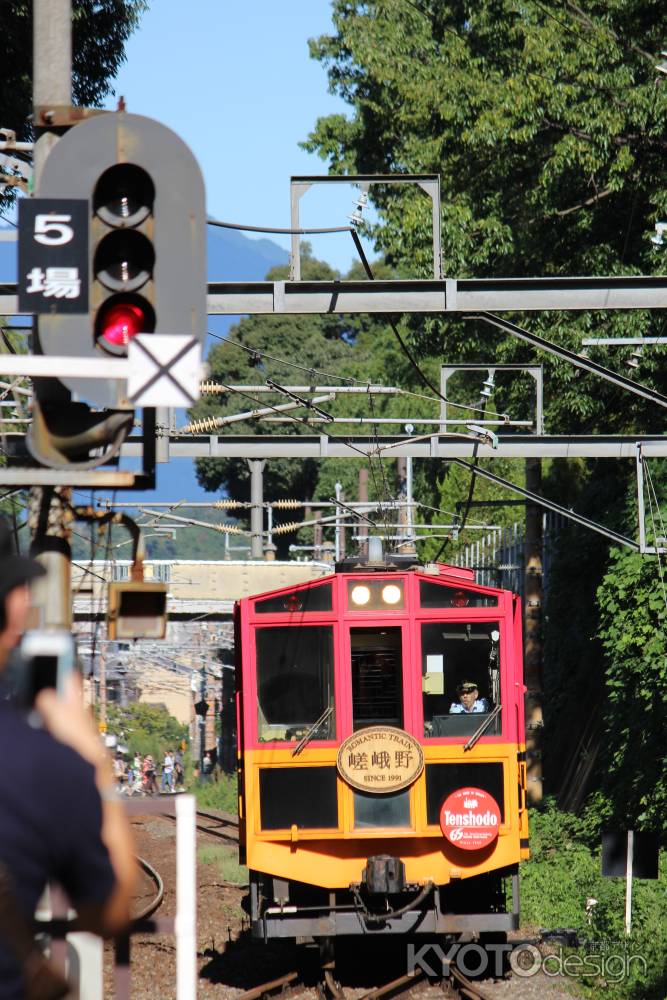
[(295, 683), (305, 599), (377, 677), (439, 595), (458, 657)]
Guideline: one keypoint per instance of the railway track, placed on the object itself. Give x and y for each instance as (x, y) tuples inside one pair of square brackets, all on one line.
[(454, 985), (224, 826), (216, 823)]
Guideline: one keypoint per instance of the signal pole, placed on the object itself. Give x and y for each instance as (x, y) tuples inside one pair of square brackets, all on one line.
[(50, 508)]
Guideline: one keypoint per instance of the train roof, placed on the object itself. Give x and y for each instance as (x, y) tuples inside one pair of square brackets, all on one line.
[(439, 573)]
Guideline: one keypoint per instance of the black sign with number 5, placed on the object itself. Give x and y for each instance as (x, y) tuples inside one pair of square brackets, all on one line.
[(53, 255)]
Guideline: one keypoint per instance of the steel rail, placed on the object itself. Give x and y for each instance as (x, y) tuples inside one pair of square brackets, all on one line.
[(463, 985), (274, 984), (155, 903)]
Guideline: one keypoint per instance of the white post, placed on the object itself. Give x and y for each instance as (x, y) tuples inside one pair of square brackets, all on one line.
[(85, 964), (186, 898), (628, 881)]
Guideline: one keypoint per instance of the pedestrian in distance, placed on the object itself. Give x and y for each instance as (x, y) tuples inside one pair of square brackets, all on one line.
[(168, 772), (149, 782), (60, 818)]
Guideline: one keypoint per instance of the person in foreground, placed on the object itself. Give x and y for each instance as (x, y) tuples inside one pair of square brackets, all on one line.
[(59, 818)]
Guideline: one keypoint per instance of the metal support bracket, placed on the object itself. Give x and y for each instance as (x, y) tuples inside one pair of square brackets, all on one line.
[(650, 550), (429, 183)]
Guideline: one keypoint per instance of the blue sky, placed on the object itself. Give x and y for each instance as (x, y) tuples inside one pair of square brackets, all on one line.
[(236, 82)]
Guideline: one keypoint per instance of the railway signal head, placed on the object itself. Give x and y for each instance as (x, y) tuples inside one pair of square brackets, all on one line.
[(146, 258)]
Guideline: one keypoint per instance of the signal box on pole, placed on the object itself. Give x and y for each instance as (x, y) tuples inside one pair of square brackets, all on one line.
[(147, 248)]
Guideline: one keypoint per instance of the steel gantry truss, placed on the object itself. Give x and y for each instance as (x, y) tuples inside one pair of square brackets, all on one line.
[(449, 295)]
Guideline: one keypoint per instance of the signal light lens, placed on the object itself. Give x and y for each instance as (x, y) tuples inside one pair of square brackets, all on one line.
[(124, 195), (121, 319), (124, 260), (459, 599)]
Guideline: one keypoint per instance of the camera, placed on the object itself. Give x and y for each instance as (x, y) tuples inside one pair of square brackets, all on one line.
[(48, 659)]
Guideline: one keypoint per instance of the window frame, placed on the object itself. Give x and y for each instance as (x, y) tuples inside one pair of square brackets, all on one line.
[(500, 614)]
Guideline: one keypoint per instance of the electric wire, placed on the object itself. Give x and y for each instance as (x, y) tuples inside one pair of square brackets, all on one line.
[(270, 229), (404, 347), (389, 496), (259, 354), (427, 381)]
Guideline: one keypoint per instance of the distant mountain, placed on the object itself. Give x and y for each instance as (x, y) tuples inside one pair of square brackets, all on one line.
[(231, 257), (234, 257)]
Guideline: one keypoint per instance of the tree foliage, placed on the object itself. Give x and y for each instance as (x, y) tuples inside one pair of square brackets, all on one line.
[(546, 125), (547, 128), (145, 728), (327, 350), (632, 631)]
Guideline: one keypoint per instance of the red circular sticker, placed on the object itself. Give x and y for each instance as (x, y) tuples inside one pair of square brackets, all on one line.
[(470, 818)]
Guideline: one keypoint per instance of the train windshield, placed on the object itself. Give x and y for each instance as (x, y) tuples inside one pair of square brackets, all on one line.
[(295, 683), (377, 677), (460, 677)]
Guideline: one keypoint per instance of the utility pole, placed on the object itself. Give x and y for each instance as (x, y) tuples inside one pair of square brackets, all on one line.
[(50, 513), (532, 617), (257, 508), (339, 530), (363, 496), (405, 514), (103, 687)]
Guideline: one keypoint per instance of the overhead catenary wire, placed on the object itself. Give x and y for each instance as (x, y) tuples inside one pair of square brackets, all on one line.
[(260, 355), (273, 229)]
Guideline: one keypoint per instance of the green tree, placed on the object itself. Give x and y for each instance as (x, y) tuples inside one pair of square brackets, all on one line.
[(633, 618), (546, 124), (144, 728), (100, 29), (547, 128), (328, 349)]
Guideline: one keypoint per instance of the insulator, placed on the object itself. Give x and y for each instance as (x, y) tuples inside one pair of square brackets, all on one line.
[(200, 426), (228, 529), (287, 504), (230, 504), (212, 389), (284, 529)]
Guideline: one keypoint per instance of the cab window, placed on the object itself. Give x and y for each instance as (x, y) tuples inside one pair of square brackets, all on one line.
[(377, 677), (460, 676), (295, 683)]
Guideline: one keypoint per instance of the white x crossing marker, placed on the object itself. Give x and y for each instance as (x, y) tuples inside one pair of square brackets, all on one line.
[(165, 370)]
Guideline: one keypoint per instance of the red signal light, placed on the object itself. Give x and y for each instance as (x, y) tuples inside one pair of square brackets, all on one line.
[(459, 599), (122, 322), (120, 319)]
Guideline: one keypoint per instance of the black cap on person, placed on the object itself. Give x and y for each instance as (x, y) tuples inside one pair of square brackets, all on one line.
[(15, 570)]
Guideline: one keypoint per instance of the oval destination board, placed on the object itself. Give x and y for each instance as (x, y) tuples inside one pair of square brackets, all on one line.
[(380, 759)]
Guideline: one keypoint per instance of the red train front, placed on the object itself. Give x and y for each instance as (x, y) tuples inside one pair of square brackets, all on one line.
[(381, 753)]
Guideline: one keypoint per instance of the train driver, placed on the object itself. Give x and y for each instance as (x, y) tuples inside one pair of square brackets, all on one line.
[(469, 700)]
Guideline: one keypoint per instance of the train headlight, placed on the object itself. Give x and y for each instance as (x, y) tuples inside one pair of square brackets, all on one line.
[(360, 595), (391, 594), (495, 635)]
